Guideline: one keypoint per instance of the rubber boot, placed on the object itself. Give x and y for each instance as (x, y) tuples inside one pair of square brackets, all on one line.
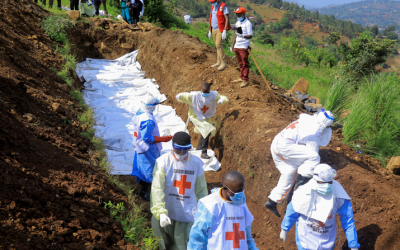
[(216, 64), (300, 180), (271, 205), (222, 66), (144, 193), (205, 156)]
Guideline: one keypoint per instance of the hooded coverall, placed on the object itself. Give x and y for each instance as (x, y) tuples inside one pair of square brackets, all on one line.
[(176, 187)]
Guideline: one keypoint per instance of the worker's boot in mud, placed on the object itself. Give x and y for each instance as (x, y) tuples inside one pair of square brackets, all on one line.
[(222, 66), (144, 193), (216, 64), (244, 84), (271, 205), (237, 80), (204, 155)]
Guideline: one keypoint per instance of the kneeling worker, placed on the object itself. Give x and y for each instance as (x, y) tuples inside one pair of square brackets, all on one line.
[(241, 44), (203, 105), (147, 145), (178, 182), (295, 150), (314, 208), (223, 220)]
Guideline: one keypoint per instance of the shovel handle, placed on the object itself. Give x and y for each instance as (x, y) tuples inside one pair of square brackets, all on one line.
[(260, 71)]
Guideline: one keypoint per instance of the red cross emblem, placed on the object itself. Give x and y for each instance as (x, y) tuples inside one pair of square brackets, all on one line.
[(182, 184), (235, 236), (320, 224), (292, 125), (204, 109)]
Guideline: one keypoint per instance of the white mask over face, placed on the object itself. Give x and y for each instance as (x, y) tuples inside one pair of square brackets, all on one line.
[(180, 157)]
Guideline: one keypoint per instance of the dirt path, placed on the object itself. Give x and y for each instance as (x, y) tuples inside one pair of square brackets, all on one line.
[(40, 161)]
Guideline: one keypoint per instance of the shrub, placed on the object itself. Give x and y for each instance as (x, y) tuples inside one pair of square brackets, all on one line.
[(375, 116), (339, 95), (56, 27)]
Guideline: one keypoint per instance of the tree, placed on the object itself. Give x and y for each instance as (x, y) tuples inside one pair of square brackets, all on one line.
[(392, 36), (248, 7), (284, 23), (364, 53), (375, 30), (266, 38), (333, 38)]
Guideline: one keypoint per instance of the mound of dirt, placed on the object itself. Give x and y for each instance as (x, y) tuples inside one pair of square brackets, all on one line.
[(246, 127), (50, 192), (52, 162)]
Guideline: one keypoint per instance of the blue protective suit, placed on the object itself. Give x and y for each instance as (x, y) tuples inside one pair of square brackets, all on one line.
[(204, 220), (346, 218), (143, 163), (125, 12)]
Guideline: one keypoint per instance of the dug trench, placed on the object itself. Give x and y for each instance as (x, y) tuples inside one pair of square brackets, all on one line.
[(50, 190)]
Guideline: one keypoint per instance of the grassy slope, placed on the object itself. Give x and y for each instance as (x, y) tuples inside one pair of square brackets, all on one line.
[(276, 67)]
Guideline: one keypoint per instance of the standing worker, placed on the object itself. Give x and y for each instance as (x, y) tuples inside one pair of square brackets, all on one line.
[(178, 182), (223, 220), (187, 18), (219, 25), (147, 145), (203, 105), (295, 150), (136, 7), (241, 43), (314, 208)]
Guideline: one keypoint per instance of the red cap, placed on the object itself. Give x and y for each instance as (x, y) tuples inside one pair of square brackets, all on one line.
[(212, 1), (240, 10)]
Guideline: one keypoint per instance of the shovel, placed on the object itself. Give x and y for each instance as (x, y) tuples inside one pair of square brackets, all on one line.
[(260, 71)]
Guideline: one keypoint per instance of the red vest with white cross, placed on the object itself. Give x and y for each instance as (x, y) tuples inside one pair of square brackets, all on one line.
[(204, 107), (220, 17), (229, 229), (180, 185)]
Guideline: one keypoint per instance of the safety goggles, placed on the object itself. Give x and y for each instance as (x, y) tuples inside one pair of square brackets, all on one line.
[(326, 115), (236, 192), (180, 147)]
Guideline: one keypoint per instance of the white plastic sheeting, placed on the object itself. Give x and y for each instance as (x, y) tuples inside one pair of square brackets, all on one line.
[(115, 89)]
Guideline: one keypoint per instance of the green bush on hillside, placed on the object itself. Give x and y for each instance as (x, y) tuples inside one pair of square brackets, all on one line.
[(56, 27), (364, 53), (375, 117)]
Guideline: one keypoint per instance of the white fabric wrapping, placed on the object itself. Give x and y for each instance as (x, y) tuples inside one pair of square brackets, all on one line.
[(114, 89)]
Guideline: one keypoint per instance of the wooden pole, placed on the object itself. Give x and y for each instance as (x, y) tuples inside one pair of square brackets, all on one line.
[(260, 71)]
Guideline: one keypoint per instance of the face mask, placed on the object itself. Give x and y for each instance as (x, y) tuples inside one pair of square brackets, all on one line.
[(237, 197), (215, 4), (204, 94), (180, 157), (324, 189), (240, 19)]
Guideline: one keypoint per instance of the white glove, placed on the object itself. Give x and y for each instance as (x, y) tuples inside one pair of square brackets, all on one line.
[(240, 35), (283, 235), (220, 101), (164, 220), (231, 49), (178, 96), (209, 34), (224, 35), (313, 145)]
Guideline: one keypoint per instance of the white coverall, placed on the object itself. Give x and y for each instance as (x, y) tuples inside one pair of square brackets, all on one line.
[(176, 188), (296, 150)]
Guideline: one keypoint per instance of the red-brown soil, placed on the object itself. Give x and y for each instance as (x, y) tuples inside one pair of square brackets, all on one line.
[(40, 161)]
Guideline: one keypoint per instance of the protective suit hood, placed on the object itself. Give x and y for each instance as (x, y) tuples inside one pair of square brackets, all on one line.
[(236, 203), (149, 104), (310, 203)]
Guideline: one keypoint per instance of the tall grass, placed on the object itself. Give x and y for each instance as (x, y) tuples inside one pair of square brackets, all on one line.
[(339, 96), (375, 117)]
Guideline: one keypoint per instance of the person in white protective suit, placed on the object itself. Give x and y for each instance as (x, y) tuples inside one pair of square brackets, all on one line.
[(147, 143), (314, 207), (223, 220), (187, 18), (203, 106), (295, 151), (178, 182)]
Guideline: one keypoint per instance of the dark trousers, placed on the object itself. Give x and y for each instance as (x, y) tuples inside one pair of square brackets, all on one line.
[(300, 180), (97, 5), (74, 4), (203, 144), (242, 57), (134, 13)]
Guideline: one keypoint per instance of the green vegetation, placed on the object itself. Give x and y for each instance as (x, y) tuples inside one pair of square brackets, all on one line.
[(133, 219), (381, 13), (375, 116)]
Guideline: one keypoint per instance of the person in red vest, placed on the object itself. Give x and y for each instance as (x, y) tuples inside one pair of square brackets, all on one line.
[(219, 25)]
